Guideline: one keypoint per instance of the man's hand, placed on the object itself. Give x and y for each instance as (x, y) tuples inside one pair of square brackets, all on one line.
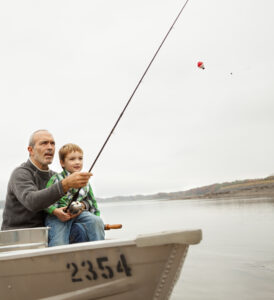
[(76, 180), (61, 215)]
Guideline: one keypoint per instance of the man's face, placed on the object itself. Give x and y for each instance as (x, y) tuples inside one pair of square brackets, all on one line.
[(42, 152)]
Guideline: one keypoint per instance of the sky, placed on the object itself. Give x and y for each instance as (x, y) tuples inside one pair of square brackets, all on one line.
[(71, 66)]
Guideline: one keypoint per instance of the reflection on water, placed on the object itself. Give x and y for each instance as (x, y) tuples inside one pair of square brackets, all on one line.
[(235, 259)]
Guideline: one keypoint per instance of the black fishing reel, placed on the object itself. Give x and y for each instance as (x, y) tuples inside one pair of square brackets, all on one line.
[(75, 207)]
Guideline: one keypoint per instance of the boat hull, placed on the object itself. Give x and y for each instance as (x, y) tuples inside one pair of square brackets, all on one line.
[(145, 268)]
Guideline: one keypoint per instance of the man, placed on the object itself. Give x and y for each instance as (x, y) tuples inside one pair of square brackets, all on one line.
[(27, 196)]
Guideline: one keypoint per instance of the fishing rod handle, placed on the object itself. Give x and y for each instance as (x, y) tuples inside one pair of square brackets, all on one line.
[(112, 226)]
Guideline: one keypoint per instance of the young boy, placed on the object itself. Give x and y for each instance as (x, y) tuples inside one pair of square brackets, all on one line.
[(88, 217)]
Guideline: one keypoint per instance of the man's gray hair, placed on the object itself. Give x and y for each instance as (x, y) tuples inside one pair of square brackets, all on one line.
[(32, 137)]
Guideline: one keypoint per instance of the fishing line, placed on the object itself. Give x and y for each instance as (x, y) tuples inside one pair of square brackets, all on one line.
[(130, 98)]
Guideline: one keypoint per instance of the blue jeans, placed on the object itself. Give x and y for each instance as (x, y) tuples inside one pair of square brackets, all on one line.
[(59, 233), (78, 234)]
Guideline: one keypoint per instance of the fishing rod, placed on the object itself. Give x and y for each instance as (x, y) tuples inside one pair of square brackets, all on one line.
[(130, 98)]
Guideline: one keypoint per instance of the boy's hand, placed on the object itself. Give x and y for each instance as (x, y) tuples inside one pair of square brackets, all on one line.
[(76, 180), (61, 215)]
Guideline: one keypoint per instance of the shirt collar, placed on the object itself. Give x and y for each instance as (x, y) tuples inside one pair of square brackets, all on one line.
[(45, 171)]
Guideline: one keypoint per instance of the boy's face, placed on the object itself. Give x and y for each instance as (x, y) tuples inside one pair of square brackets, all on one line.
[(73, 162)]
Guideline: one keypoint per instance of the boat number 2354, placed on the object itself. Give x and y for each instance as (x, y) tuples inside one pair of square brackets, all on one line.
[(100, 269)]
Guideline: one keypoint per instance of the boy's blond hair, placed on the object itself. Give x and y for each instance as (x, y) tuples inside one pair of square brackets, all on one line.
[(68, 148)]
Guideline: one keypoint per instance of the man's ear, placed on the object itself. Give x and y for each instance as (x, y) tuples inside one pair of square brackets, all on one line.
[(30, 150)]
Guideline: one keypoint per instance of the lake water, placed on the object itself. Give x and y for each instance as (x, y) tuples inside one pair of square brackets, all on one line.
[(235, 259)]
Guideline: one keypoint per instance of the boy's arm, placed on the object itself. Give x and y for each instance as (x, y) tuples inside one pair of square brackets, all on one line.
[(91, 202), (58, 207), (53, 180)]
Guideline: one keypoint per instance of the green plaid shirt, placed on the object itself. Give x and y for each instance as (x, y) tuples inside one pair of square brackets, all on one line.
[(85, 194)]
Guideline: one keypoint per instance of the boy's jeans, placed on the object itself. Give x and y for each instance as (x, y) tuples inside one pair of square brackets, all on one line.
[(78, 234), (59, 232)]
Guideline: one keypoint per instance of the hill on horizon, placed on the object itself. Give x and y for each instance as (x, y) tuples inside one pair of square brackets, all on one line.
[(247, 187)]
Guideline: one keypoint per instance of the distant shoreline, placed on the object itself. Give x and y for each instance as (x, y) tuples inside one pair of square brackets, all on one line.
[(263, 187)]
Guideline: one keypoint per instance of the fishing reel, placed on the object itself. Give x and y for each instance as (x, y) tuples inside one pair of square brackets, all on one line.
[(75, 207)]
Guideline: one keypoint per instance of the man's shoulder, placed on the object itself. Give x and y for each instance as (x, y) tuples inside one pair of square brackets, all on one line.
[(23, 167), (21, 172), (27, 168), (27, 165)]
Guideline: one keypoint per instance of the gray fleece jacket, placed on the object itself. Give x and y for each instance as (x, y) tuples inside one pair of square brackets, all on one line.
[(27, 197)]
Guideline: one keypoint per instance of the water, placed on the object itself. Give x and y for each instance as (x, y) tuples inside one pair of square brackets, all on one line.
[(235, 259)]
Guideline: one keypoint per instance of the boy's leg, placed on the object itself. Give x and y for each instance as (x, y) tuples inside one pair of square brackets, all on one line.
[(58, 232), (78, 234), (93, 224)]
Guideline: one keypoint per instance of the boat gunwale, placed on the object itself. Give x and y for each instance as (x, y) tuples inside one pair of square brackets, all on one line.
[(142, 240), (65, 249)]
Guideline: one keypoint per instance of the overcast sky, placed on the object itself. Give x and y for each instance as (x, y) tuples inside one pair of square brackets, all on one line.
[(70, 67)]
